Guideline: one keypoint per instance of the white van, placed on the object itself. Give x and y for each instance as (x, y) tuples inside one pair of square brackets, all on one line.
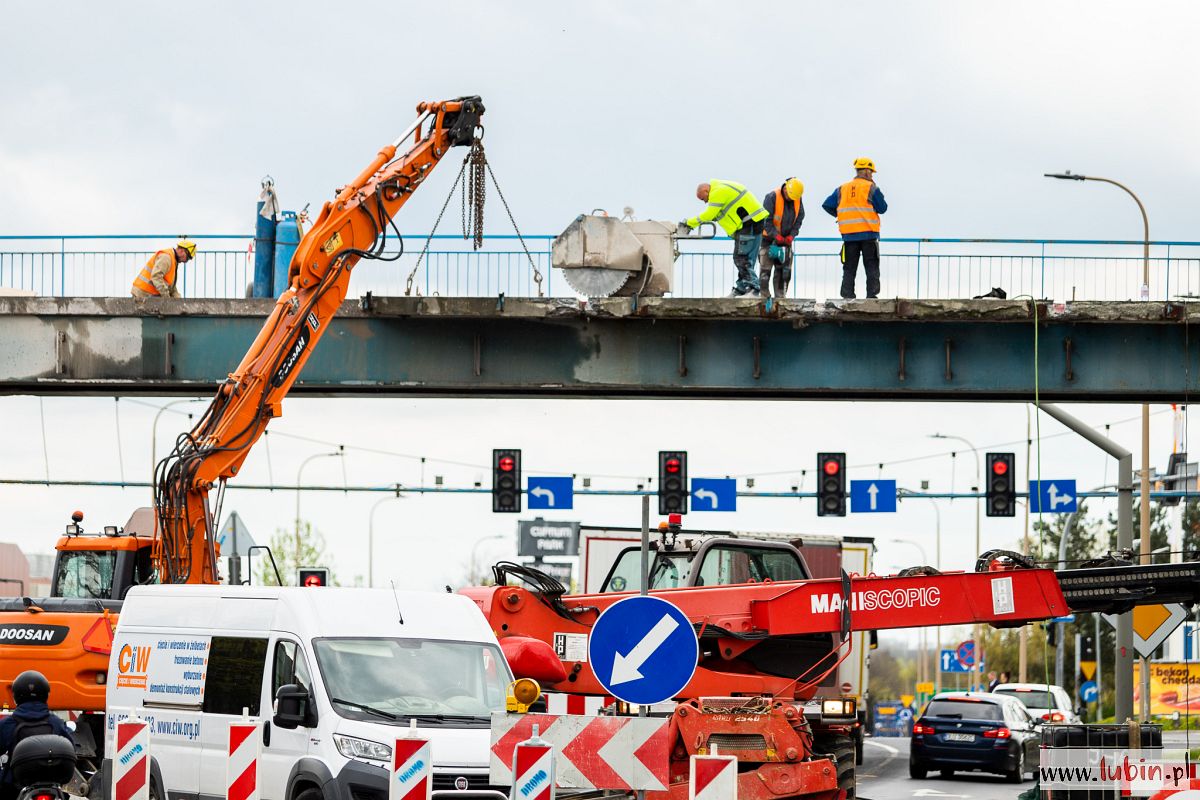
[(334, 674)]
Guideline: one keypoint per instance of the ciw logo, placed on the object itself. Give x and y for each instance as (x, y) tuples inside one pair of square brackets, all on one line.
[(132, 664)]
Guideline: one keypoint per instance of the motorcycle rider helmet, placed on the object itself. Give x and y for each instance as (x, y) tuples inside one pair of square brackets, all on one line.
[(31, 686)]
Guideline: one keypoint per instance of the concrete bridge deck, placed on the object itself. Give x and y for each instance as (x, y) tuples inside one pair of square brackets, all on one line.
[(660, 347)]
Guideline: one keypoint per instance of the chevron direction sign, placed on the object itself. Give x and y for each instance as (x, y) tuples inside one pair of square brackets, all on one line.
[(623, 753)]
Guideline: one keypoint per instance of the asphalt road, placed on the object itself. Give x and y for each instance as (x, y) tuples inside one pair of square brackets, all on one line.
[(884, 775)]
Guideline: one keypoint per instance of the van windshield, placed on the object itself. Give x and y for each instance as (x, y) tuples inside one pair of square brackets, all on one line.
[(399, 679)]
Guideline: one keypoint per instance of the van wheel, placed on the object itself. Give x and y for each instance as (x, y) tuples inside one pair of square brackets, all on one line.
[(312, 793), (156, 792)]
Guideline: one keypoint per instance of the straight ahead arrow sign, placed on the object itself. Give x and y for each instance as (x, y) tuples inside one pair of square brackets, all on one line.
[(626, 667), (873, 491)]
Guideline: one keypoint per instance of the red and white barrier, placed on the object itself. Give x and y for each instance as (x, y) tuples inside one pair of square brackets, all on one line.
[(131, 761), (243, 754), (412, 770), (713, 778), (602, 752), (533, 769)]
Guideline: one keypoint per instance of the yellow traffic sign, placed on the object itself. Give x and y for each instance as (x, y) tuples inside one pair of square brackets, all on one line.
[(1088, 668), (925, 687), (1152, 625), (907, 699)]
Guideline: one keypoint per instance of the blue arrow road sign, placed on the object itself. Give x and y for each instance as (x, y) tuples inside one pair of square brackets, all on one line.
[(1052, 497), (643, 650), (714, 494), (1088, 692), (868, 497), (551, 493), (950, 662)]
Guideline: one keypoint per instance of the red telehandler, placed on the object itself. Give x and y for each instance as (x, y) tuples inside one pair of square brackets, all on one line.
[(766, 644)]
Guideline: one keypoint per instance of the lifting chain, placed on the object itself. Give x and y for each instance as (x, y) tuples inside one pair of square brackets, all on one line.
[(475, 169)]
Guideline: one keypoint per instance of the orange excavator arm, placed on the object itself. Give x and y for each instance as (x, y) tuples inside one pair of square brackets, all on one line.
[(351, 227)]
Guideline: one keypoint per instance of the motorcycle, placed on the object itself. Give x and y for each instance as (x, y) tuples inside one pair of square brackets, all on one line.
[(41, 765)]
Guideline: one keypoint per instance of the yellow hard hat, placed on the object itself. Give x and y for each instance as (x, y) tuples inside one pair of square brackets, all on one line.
[(865, 163), (793, 188), (188, 245)]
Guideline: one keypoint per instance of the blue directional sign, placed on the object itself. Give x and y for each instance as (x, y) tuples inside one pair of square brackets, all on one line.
[(552, 493), (950, 662), (1052, 497), (872, 497), (643, 650), (1088, 692), (714, 494)]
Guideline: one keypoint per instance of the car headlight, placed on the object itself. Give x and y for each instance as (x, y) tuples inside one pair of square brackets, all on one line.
[(352, 747), (839, 708)]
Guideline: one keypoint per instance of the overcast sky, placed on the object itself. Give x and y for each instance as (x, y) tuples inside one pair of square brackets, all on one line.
[(153, 118)]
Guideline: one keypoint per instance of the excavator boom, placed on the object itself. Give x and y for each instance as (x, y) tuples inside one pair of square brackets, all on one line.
[(353, 226)]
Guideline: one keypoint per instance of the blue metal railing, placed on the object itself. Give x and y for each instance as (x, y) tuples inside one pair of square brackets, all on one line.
[(1075, 269)]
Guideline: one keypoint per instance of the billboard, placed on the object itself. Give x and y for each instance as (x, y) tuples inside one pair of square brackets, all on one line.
[(1174, 686)]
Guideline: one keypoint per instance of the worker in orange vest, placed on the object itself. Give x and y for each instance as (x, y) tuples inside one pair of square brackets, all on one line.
[(857, 206), (160, 275), (786, 208)]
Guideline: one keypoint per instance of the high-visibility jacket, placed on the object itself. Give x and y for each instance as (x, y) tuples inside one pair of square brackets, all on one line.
[(855, 213), (784, 221), (143, 282), (725, 199)]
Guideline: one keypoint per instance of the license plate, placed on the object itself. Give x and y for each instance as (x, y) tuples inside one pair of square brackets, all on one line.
[(960, 737)]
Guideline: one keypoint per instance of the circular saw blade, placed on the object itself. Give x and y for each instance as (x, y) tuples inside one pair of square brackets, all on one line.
[(597, 282)]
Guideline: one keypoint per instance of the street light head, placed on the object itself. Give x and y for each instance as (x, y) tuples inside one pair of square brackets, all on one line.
[(1065, 176)]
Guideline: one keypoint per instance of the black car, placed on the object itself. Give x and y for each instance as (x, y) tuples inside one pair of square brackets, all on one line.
[(974, 732)]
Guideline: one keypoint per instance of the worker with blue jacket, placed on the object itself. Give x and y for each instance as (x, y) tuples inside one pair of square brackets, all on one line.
[(857, 205)]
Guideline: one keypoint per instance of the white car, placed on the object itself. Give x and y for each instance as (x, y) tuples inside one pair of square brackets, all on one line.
[(1043, 701)]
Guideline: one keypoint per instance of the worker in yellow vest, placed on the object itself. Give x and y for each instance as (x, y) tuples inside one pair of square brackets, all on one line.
[(857, 206), (159, 278), (786, 209), (741, 216)]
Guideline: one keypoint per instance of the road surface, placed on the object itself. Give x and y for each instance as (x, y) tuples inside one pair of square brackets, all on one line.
[(884, 776)]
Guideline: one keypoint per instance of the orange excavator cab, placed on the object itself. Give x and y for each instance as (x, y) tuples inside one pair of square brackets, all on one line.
[(103, 566)]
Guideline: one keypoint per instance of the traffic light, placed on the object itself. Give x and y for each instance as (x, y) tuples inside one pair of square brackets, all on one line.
[(831, 484), (313, 576), (672, 482), (506, 481), (1001, 487)]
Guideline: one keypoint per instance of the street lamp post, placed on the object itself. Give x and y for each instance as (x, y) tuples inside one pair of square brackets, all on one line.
[(371, 535), (336, 454), (475, 551), (1145, 295), (976, 634), (927, 660)]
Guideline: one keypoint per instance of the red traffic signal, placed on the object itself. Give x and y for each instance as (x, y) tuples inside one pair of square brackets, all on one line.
[(1001, 493), (1000, 468), (672, 482), (831, 484), (506, 481), (313, 576)]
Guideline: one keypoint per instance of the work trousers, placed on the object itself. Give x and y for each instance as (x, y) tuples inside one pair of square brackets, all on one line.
[(778, 282), (869, 250), (745, 252)]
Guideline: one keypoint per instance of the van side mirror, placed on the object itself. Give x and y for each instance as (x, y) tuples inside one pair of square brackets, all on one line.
[(293, 707)]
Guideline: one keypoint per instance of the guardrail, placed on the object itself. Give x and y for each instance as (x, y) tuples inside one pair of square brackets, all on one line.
[(98, 266)]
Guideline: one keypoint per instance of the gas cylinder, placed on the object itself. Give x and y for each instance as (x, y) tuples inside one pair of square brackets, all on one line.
[(287, 239)]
